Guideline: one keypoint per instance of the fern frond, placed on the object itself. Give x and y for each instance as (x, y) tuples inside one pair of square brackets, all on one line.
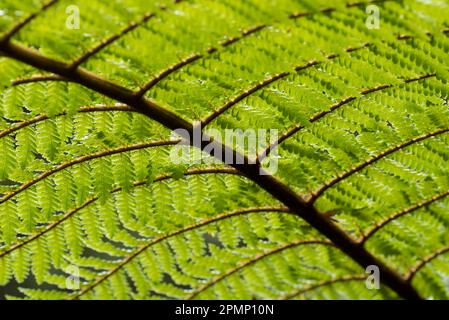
[(90, 192)]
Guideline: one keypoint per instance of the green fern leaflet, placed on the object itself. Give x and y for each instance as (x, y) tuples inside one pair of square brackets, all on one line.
[(353, 97)]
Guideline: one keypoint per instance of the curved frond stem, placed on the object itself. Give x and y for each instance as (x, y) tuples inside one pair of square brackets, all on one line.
[(19, 26), (298, 15), (342, 176), (23, 124), (404, 37), (158, 78), (258, 175), (165, 73), (43, 117), (307, 65), (106, 42), (244, 34), (252, 261), (242, 96), (323, 284), (39, 78), (376, 88), (85, 158), (401, 213), (47, 229), (153, 242), (424, 262), (421, 77), (88, 202), (106, 108), (192, 58), (103, 44), (298, 127)]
